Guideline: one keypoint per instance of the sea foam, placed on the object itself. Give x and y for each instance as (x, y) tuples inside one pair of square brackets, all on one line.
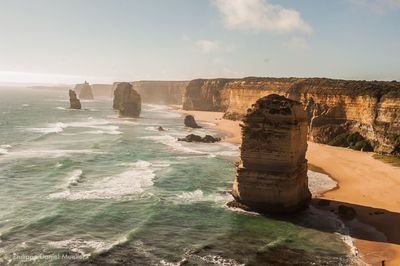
[(4, 149), (132, 181), (99, 126)]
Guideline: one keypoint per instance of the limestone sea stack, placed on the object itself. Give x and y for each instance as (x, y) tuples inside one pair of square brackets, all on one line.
[(191, 122), (86, 92), (126, 100), (272, 174), (74, 101)]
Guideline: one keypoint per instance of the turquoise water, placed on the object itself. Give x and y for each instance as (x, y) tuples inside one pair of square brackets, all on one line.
[(86, 187)]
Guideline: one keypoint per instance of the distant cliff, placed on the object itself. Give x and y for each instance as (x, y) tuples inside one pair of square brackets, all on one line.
[(335, 107), (159, 92), (102, 90)]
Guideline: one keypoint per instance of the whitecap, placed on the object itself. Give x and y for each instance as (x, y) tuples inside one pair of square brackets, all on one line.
[(132, 181), (219, 260), (196, 195), (51, 128), (211, 150), (4, 149), (61, 108), (75, 177), (188, 197), (42, 153), (152, 128), (100, 126), (85, 247), (172, 142), (26, 105)]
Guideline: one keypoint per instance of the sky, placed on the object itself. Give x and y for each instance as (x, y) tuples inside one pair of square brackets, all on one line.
[(102, 41)]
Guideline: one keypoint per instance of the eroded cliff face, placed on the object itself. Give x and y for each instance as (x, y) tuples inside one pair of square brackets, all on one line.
[(337, 107), (102, 90), (272, 173), (334, 107), (205, 95), (159, 92), (85, 92)]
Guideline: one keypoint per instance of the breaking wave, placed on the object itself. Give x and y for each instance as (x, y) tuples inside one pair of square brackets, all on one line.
[(100, 126), (4, 149), (133, 181), (212, 150)]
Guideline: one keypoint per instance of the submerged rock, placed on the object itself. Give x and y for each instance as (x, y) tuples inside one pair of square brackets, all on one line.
[(74, 101), (272, 173), (86, 92), (191, 122), (347, 213), (160, 128), (196, 138), (127, 101)]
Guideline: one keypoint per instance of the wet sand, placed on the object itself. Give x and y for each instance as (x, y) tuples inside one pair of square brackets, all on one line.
[(368, 185)]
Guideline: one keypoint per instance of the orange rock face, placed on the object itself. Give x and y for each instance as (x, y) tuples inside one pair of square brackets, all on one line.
[(272, 173)]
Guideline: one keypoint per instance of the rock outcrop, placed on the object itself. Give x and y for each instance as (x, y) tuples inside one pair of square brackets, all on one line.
[(126, 100), (196, 138), (272, 174), (191, 122), (334, 107), (86, 92), (74, 102)]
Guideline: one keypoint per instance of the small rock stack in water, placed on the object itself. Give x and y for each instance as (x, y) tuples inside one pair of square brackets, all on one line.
[(272, 173), (74, 102), (127, 100)]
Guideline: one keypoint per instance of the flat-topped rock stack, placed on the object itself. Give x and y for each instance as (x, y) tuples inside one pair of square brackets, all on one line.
[(86, 92), (127, 101), (74, 102), (272, 174)]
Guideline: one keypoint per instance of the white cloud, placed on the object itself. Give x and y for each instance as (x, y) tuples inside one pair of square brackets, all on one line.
[(260, 15), (207, 46), (297, 43), (378, 6)]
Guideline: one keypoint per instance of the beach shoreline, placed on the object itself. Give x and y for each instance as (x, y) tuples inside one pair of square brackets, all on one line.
[(364, 183)]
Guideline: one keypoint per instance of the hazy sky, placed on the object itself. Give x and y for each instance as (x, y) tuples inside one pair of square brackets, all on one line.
[(66, 41)]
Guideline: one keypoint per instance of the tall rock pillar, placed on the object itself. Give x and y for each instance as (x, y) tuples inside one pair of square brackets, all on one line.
[(272, 174), (127, 101)]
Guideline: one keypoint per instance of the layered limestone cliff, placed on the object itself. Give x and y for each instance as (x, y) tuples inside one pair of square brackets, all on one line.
[(334, 107), (205, 95), (84, 91), (74, 102), (159, 92), (126, 100), (102, 90), (272, 173)]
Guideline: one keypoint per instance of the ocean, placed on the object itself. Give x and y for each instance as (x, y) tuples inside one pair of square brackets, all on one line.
[(85, 187)]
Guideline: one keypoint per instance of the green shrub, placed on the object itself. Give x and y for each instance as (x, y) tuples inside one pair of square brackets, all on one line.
[(340, 140), (362, 145), (353, 138)]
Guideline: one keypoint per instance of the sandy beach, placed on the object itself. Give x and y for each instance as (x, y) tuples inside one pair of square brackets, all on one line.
[(368, 185)]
